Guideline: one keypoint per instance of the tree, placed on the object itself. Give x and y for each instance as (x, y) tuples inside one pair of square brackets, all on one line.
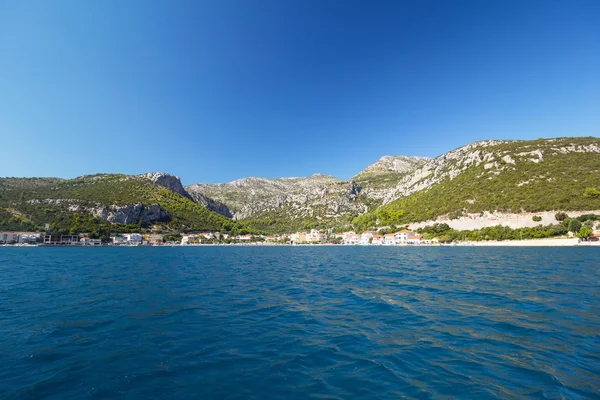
[(584, 233), (574, 226), (561, 216), (536, 218)]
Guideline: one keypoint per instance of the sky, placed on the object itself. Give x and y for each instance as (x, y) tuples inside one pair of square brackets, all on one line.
[(214, 91)]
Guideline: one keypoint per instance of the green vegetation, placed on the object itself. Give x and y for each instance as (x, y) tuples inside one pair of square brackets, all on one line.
[(283, 220), (561, 216), (446, 234), (536, 218), (591, 193), (574, 225), (27, 204), (557, 182), (584, 233)]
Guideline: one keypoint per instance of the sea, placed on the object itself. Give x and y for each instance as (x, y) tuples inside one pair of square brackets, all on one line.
[(297, 322)]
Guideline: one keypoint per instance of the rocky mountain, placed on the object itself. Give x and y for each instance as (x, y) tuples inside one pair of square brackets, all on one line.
[(496, 176), (91, 201), (393, 164), (488, 176), (318, 198)]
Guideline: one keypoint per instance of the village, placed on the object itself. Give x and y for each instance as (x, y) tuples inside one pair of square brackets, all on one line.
[(403, 237), (373, 238)]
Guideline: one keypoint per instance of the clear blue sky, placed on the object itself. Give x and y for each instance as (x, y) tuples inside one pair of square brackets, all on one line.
[(218, 90)]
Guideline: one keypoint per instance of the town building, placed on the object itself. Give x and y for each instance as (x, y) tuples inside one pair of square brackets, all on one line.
[(390, 239), (366, 236), (377, 240), (134, 238), (315, 236), (351, 238), (70, 240), (298, 237), (413, 238), (19, 237)]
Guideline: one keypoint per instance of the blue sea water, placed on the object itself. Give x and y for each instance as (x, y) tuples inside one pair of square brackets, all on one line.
[(299, 322)]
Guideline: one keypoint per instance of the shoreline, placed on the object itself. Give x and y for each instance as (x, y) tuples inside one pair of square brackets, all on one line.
[(551, 242)]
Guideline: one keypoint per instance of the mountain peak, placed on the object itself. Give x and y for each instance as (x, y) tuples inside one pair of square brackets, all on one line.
[(395, 164)]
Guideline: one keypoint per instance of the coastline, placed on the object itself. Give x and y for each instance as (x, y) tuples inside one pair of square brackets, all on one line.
[(550, 242)]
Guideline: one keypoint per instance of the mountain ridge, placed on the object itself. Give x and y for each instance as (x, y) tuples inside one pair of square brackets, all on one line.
[(521, 175)]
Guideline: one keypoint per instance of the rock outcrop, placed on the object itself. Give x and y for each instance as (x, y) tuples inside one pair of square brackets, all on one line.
[(131, 214), (397, 164), (318, 196), (168, 181)]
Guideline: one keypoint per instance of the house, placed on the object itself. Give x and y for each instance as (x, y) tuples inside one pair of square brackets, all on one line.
[(390, 239), (154, 239), (207, 235), (366, 236), (316, 236), (378, 240), (190, 239), (413, 238), (118, 240), (70, 240), (134, 238), (402, 236), (19, 237), (298, 237), (351, 238), (594, 237)]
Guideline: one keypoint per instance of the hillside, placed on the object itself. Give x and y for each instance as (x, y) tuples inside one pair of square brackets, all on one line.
[(285, 203), (93, 202), (506, 176), (494, 176)]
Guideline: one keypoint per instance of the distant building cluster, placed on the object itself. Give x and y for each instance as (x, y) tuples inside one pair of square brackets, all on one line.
[(403, 237), (314, 236)]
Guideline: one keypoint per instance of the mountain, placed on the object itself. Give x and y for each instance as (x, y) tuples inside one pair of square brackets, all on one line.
[(393, 164), (112, 201), (496, 176), (386, 173), (502, 176), (278, 204)]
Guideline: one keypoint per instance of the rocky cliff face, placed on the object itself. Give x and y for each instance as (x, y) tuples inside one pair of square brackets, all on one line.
[(388, 179), (211, 204), (494, 155), (131, 214), (165, 180), (124, 214), (318, 196), (394, 164)]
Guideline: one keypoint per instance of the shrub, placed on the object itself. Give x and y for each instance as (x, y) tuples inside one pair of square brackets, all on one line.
[(574, 226), (591, 193), (536, 218), (584, 233), (561, 216)]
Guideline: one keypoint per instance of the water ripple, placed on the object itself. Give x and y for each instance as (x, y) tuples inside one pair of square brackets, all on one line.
[(299, 322)]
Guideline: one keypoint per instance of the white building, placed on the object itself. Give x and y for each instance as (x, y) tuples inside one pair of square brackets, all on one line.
[(351, 238), (390, 239), (119, 240), (366, 236), (134, 238), (19, 237), (402, 236), (378, 240), (414, 239), (316, 236), (299, 237)]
